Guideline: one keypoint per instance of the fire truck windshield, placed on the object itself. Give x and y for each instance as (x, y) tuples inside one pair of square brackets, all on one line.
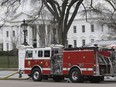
[(29, 54)]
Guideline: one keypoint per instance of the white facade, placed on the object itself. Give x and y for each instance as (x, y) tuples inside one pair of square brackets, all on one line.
[(13, 34), (81, 32), (10, 35)]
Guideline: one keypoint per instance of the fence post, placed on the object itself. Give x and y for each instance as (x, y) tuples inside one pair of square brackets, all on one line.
[(8, 60)]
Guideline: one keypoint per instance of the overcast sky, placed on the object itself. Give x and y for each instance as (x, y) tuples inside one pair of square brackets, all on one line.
[(25, 7)]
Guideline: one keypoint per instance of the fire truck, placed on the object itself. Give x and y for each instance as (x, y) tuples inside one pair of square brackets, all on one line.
[(77, 64)]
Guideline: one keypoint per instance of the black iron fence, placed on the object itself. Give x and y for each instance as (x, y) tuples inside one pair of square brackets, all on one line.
[(8, 59)]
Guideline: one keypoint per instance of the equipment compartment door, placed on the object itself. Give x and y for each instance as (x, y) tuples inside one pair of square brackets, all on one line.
[(56, 64)]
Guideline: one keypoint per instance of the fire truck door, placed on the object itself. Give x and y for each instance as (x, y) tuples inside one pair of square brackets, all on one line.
[(56, 65)]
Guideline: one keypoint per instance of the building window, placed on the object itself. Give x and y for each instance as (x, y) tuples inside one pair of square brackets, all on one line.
[(13, 33), (74, 29), (83, 28), (75, 43), (92, 40), (92, 28), (83, 42), (7, 45), (7, 34)]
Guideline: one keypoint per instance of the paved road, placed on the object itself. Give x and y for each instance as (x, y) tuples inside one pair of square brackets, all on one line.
[(48, 83), (11, 74), (30, 83)]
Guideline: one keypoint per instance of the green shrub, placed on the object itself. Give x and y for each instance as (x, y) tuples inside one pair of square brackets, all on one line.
[(8, 62), (10, 53)]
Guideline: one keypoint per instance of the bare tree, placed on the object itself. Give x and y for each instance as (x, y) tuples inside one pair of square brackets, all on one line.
[(11, 6), (108, 17), (14, 42), (61, 13), (60, 9), (105, 13), (65, 11)]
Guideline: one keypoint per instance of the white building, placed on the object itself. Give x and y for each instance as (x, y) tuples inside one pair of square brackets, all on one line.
[(84, 31), (13, 35), (80, 33)]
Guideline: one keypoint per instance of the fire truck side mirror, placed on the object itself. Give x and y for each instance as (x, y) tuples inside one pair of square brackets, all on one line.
[(96, 45), (69, 46)]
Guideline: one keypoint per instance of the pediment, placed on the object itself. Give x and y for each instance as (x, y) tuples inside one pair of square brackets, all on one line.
[(20, 17)]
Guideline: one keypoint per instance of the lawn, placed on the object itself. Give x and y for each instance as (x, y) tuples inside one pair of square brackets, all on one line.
[(8, 62)]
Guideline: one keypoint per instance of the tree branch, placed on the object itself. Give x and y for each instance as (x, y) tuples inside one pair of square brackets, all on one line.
[(50, 4), (74, 14), (111, 3), (68, 11), (85, 11), (64, 5)]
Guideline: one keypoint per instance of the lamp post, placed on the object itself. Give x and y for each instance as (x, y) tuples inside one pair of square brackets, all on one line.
[(24, 27), (53, 23)]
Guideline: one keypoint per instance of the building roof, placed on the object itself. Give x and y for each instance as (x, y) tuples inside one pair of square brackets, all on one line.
[(103, 43)]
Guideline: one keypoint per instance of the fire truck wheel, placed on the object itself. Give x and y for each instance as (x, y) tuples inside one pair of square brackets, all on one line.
[(75, 75), (102, 78), (36, 75), (95, 79), (58, 78)]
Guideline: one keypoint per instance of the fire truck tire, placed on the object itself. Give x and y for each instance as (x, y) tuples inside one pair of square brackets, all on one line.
[(102, 78), (75, 75), (95, 79), (58, 78), (36, 74)]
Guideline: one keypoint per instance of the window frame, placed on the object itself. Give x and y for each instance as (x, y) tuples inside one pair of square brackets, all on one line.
[(74, 29), (14, 33), (83, 42), (75, 43), (29, 56), (7, 34), (92, 28), (41, 55), (83, 28), (45, 54)]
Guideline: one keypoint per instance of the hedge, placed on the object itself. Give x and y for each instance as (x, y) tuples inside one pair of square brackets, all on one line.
[(10, 53)]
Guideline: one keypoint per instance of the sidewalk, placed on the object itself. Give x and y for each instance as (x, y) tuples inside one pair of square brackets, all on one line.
[(11, 74)]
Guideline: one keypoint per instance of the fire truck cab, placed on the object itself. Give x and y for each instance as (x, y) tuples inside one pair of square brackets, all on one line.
[(77, 64), (44, 62)]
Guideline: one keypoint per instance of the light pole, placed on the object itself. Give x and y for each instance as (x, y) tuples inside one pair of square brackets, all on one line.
[(24, 27), (53, 23)]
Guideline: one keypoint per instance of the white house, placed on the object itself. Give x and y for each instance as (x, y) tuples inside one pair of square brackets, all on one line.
[(13, 34), (84, 31), (80, 33)]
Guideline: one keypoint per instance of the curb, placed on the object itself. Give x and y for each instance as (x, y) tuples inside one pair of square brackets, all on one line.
[(14, 78), (8, 69), (10, 76)]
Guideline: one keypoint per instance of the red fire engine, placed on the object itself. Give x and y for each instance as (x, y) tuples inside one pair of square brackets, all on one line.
[(77, 64)]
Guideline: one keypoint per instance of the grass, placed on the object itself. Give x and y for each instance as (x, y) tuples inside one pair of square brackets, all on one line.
[(8, 62)]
